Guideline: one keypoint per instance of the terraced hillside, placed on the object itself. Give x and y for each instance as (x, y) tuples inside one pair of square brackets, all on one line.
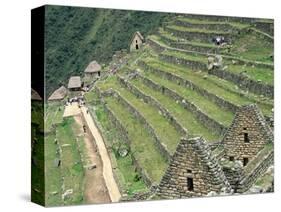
[(166, 90)]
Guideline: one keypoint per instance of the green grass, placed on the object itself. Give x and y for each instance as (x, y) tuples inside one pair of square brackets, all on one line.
[(197, 21), (210, 84), (142, 144), (53, 181), (266, 75), (37, 167), (182, 55), (173, 38), (211, 109), (186, 118), (53, 115), (91, 96), (252, 72), (253, 47), (124, 164), (71, 165), (166, 132), (196, 30)]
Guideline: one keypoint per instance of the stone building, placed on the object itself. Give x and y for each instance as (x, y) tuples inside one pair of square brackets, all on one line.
[(74, 83), (232, 165), (193, 171), (93, 69), (58, 94), (136, 41), (247, 135)]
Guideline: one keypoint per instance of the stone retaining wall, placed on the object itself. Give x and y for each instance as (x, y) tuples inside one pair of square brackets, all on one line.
[(260, 168), (153, 102), (265, 27), (245, 83), (200, 115), (220, 18), (193, 65), (207, 51), (214, 27), (186, 83), (242, 81), (160, 146), (202, 36), (158, 48), (117, 123)]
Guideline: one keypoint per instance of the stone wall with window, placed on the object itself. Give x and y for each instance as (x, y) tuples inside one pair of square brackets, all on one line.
[(247, 135), (193, 171)]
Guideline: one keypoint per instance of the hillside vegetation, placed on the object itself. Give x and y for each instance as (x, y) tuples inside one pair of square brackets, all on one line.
[(75, 36)]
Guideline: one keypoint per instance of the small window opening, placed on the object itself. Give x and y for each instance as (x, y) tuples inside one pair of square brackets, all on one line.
[(190, 184), (245, 161), (189, 171), (246, 138), (231, 158)]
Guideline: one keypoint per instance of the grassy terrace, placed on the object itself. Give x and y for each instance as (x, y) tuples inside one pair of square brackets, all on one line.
[(166, 132), (173, 38), (186, 29), (142, 144), (71, 165), (210, 108), (197, 21), (112, 136), (53, 114), (253, 47), (266, 75), (53, 180), (186, 118), (254, 73), (210, 84)]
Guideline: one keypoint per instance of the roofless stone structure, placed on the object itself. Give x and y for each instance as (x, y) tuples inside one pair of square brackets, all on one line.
[(233, 165), (247, 135), (193, 171), (136, 41)]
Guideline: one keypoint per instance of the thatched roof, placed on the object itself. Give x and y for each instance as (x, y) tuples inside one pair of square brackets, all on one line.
[(58, 94), (74, 82), (35, 95), (137, 34), (93, 67)]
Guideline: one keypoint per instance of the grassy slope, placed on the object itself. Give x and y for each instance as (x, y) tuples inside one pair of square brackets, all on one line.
[(185, 117), (124, 164), (166, 132), (71, 166), (75, 36), (142, 144)]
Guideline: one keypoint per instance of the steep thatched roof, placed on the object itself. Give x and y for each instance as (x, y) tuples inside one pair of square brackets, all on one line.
[(93, 67), (35, 95), (58, 94), (74, 82)]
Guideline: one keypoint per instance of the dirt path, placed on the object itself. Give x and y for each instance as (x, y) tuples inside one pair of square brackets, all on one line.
[(95, 190), (107, 168)]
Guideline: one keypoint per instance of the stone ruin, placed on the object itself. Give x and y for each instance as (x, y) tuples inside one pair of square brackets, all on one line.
[(232, 165), (193, 171)]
